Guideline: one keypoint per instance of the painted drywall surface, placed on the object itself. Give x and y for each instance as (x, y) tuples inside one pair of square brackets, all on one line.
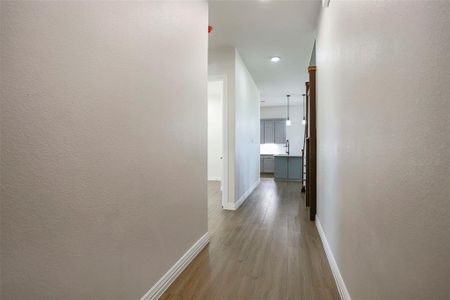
[(103, 134), (243, 118), (295, 132), (215, 130), (221, 66), (247, 99), (312, 61), (383, 146)]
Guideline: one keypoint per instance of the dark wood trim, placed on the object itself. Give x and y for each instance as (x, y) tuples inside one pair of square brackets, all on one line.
[(308, 173), (303, 169), (313, 143)]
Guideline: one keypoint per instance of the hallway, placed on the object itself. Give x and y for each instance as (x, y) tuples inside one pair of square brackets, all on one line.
[(118, 120), (268, 249)]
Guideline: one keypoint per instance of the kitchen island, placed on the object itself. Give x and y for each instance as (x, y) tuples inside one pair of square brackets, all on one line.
[(288, 167)]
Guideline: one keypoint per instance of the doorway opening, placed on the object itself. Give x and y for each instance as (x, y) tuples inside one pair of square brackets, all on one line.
[(217, 140)]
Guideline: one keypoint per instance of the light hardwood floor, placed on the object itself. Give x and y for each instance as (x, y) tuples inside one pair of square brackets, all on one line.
[(268, 249)]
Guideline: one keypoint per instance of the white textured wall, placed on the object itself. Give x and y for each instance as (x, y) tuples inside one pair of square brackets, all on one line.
[(221, 65), (215, 130), (383, 146), (295, 132), (103, 136), (243, 118), (247, 99)]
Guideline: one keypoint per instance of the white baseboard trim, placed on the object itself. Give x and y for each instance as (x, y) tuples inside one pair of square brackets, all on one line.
[(238, 203), (161, 286), (342, 288), (214, 178)]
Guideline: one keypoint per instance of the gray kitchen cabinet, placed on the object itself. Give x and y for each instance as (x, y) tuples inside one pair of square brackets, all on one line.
[(280, 131), (288, 168), (261, 130), (269, 165), (295, 168), (281, 167), (273, 131), (269, 131)]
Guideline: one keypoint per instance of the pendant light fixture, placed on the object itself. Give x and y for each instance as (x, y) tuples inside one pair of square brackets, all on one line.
[(288, 121)]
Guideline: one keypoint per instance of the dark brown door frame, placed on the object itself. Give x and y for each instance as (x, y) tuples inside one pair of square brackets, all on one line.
[(307, 158), (312, 144)]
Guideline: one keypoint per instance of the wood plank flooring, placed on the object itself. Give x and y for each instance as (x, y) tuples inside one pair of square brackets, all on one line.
[(268, 249)]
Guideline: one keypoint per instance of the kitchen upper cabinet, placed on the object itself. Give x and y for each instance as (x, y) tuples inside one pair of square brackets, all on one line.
[(261, 129), (273, 131), (269, 131), (280, 131)]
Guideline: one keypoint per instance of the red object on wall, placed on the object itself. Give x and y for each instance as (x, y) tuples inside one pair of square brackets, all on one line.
[(209, 28)]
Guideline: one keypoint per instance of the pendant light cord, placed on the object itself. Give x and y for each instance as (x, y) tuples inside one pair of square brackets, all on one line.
[(288, 106), (304, 106)]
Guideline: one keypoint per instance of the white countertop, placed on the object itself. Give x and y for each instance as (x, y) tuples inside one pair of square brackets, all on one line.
[(286, 155)]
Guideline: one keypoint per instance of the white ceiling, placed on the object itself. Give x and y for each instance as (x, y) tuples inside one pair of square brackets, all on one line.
[(262, 29)]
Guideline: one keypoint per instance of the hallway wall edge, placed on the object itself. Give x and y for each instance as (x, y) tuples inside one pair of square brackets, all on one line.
[(342, 288), (241, 200), (167, 279)]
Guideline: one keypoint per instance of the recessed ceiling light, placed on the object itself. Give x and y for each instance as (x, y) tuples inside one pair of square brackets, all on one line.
[(275, 59)]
